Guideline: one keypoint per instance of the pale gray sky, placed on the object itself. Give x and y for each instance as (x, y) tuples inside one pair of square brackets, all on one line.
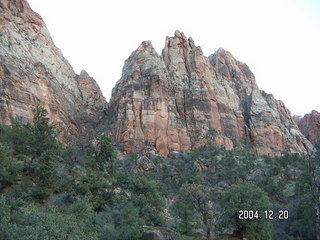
[(278, 39)]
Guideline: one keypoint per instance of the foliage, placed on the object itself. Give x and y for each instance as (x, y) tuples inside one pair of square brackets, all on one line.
[(104, 155), (183, 210), (247, 196), (302, 218), (31, 139), (8, 169), (34, 144), (33, 223)]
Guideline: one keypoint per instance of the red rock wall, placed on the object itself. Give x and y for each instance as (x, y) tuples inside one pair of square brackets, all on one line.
[(182, 99)]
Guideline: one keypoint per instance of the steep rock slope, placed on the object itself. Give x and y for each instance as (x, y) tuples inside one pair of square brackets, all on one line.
[(182, 99), (34, 72), (310, 126)]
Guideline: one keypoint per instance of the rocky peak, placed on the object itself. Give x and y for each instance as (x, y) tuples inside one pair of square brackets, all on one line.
[(315, 113), (229, 68), (182, 58), (91, 93), (182, 100), (84, 74), (179, 40), (146, 46), (143, 87), (310, 126)]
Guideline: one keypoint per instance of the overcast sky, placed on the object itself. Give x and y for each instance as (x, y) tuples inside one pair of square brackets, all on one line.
[(278, 39)]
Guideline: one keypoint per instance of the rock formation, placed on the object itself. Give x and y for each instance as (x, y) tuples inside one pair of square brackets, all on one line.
[(34, 72), (310, 126), (177, 101), (182, 99)]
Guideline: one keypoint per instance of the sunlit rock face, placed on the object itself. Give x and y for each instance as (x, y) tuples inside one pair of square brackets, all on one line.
[(310, 126), (182, 99), (34, 72)]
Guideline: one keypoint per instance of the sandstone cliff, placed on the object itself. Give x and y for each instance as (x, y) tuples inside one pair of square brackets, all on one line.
[(175, 101), (183, 99), (310, 126), (34, 72)]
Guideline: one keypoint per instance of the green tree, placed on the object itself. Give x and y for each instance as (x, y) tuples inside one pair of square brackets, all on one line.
[(43, 147), (185, 212), (31, 138), (314, 188), (128, 222), (301, 224), (246, 196), (35, 144), (43, 134), (145, 194), (8, 169), (105, 155), (200, 197), (16, 137)]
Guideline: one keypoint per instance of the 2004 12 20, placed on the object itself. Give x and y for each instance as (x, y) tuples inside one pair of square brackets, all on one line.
[(266, 214)]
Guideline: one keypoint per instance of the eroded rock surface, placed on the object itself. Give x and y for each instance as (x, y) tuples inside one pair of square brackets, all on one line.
[(310, 126), (34, 72), (183, 99), (171, 102)]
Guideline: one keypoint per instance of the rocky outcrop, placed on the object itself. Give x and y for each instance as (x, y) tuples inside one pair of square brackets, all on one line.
[(182, 99), (158, 233), (34, 72), (145, 164), (310, 126), (93, 108)]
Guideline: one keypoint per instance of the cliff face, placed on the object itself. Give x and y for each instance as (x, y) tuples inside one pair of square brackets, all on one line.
[(182, 99), (177, 101), (310, 126), (34, 72)]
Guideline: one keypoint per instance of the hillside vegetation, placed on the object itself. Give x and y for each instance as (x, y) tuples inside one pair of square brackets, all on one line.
[(52, 192)]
